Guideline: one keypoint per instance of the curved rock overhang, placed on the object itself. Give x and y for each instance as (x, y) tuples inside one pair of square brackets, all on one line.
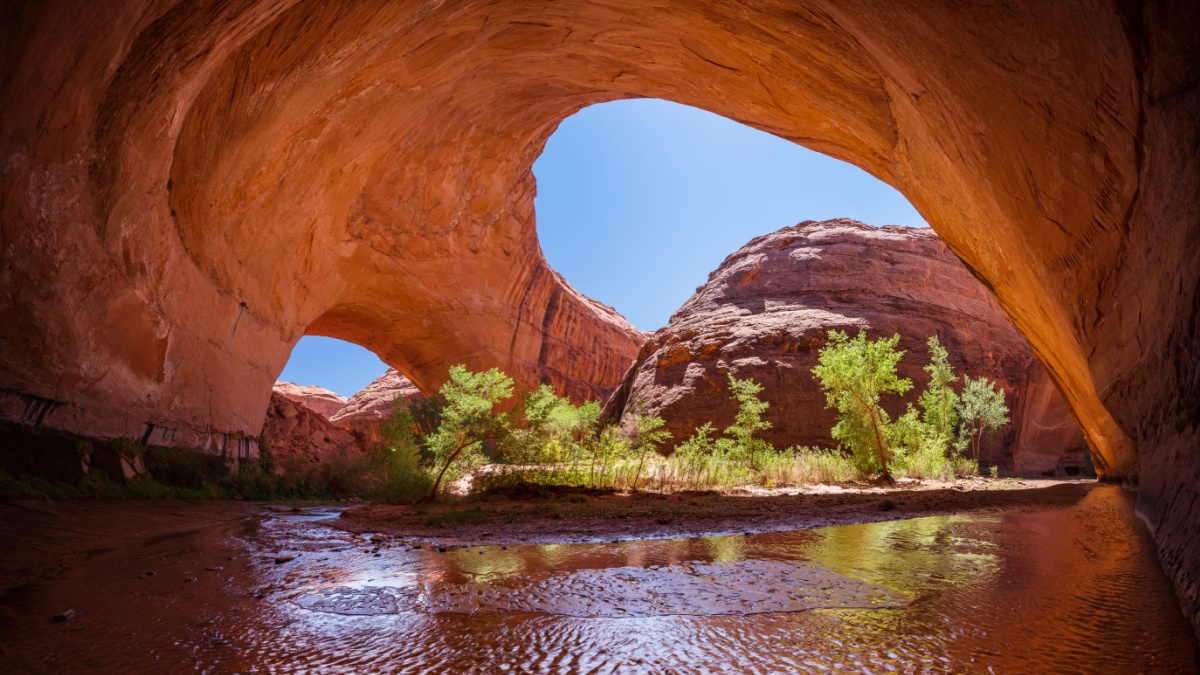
[(190, 186)]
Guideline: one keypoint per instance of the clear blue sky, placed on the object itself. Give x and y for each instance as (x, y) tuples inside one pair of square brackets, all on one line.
[(639, 200)]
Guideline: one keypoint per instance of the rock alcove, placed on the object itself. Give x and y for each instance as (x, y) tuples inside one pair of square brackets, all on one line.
[(189, 187)]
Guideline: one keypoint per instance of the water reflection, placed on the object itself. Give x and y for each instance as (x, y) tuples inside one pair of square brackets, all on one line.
[(1065, 590)]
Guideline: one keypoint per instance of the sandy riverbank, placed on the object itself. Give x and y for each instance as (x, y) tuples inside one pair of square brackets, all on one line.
[(575, 517)]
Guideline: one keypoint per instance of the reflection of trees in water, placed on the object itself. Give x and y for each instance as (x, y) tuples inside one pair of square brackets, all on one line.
[(725, 549), (906, 554)]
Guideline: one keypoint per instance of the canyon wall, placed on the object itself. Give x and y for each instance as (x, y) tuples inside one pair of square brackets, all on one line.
[(293, 430), (766, 311), (371, 406), (190, 186), (317, 399)]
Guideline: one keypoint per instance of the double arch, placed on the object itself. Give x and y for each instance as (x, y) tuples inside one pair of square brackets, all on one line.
[(192, 185)]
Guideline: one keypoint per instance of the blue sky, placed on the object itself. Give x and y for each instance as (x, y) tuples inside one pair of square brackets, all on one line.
[(639, 200)]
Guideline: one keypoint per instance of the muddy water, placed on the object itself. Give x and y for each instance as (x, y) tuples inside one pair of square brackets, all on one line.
[(1064, 590)]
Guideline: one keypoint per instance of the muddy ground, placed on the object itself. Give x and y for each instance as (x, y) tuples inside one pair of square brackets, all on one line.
[(573, 516)]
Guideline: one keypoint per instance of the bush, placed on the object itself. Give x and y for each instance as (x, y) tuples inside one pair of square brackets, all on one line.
[(856, 374), (396, 476)]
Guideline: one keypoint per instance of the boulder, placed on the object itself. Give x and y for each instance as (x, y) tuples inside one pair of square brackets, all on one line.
[(766, 311), (317, 399)]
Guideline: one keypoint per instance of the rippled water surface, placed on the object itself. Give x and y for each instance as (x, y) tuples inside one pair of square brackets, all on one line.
[(1064, 590)]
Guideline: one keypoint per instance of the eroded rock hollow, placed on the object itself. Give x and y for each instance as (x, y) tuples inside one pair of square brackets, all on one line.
[(189, 187), (765, 313)]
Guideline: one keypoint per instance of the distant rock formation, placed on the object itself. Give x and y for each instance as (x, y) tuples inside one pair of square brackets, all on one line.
[(314, 398), (765, 313), (370, 407), (292, 429)]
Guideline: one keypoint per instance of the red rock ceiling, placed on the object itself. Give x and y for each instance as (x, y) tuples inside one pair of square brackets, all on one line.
[(189, 187)]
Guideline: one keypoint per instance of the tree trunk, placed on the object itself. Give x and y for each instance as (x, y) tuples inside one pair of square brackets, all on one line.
[(438, 481), (641, 461), (887, 476)]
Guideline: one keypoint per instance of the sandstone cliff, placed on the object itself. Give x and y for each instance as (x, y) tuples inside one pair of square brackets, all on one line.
[(314, 398), (189, 187), (294, 430), (765, 312), (372, 406)]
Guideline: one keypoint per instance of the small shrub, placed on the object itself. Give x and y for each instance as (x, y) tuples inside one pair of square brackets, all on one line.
[(964, 467)]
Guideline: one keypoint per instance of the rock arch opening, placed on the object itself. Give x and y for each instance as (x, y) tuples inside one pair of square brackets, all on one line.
[(362, 170), (639, 199), (341, 367)]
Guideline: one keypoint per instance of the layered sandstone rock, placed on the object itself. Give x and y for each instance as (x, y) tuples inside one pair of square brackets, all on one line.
[(314, 398), (368, 409), (189, 187), (766, 311), (294, 430), (1047, 438)]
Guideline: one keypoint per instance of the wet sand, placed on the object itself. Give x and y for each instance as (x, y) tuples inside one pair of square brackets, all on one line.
[(1060, 579), (583, 517)]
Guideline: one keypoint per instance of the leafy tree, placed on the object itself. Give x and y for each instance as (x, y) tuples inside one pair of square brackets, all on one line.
[(981, 408), (395, 461), (427, 414), (939, 403), (609, 447), (646, 433), (555, 430), (696, 453), (856, 374), (467, 418), (749, 419)]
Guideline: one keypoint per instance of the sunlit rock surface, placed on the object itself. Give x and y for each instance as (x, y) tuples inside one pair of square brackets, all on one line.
[(368, 409), (189, 187), (312, 397), (766, 311)]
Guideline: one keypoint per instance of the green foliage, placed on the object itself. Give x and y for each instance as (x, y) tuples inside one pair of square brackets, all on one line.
[(606, 455), (555, 430), (645, 435), (748, 420), (856, 374), (426, 414), (981, 408), (396, 474), (939, 402), (468, 421), (919, 448)]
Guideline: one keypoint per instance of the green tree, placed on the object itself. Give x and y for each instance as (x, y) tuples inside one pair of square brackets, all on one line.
[(397, 474), (981, 408), (748, 420), (607, 449), (427, 414), (856, 374), (467, 420), (555, 430), (939, 403), (646, 433)]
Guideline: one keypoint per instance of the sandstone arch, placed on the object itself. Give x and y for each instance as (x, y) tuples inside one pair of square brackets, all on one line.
[(189, 186)]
